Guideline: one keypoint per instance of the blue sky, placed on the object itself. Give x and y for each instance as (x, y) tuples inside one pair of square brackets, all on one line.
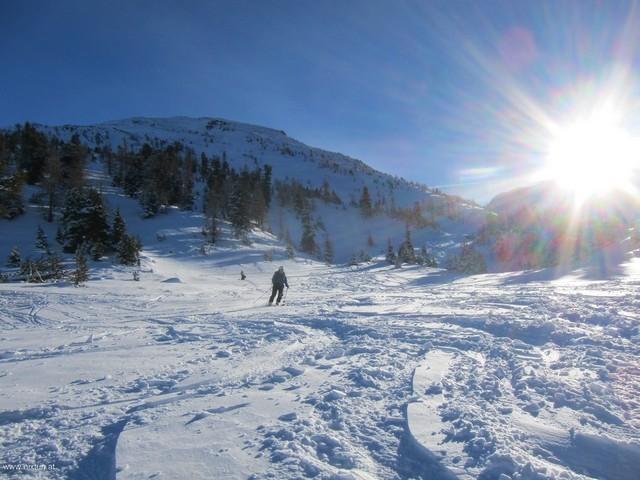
[(448, 93)]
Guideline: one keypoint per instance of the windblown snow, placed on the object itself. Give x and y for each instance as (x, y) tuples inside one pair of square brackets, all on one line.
[(367, 372)]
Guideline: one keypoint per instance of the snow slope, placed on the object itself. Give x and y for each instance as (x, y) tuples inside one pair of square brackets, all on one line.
[(251, 145), (367, 372)]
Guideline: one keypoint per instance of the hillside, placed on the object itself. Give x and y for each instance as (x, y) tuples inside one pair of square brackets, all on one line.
[(243, 145), (367, 372), (173, 366)]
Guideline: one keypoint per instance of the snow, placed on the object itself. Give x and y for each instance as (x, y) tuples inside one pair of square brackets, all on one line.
[(251, 146), (367, 372)]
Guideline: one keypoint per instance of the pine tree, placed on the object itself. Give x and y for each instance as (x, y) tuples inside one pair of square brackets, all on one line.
[(128, 250), (259, 207), (52, 182), (210, 229), (370, 241), (391, 254), (363, 257), (133, 177), (365, 202), (328, 250), (187, 181), (54, 267), (81, 274), (84, 219), (72, 162), (14, 258), (97, 227), (32, 151), (150, 202), (42, 243), (406, 252), (240, 205), (266, 185), (325, 191), (11, 204), (204, 166), (290, 252), (308, 240), (118, 229), (98, 251)]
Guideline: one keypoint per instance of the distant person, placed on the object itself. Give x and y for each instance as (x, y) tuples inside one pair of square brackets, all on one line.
[(242, 275), (279, 281)]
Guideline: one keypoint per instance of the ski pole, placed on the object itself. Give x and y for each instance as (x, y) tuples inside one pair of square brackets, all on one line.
[(266, 292)]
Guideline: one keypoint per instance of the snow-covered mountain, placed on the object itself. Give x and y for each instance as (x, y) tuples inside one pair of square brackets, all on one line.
[(249, 145), (177, 368)]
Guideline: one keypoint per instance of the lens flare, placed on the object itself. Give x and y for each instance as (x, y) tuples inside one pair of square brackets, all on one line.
[(593, 155)]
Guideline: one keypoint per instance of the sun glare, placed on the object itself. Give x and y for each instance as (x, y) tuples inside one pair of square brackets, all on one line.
[(593, 155)]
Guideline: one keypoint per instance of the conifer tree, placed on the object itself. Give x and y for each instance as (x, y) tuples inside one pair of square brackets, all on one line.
[(240, 205), (11, 204), (406, 252), (204, 166), (97, 250), (81, 274), (391, 254), (84, 219), (72, 162), (32, 152), (14, 258), (118, 229), (290, 252), (187, 181), (210, 229), (97, 227), (52, 182), (365, 202), (266, 185), (42, 243), (128, 252), (308, 240), (370, 241), (328, 250)]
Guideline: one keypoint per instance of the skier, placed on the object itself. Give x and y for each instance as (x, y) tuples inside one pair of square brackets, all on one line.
[(242, 275), (279, 281)]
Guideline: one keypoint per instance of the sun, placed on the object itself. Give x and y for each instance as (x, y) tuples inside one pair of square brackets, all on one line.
[(593, 155)]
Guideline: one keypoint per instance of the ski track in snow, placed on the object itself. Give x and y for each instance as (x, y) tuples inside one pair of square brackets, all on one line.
[(367, 372)]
